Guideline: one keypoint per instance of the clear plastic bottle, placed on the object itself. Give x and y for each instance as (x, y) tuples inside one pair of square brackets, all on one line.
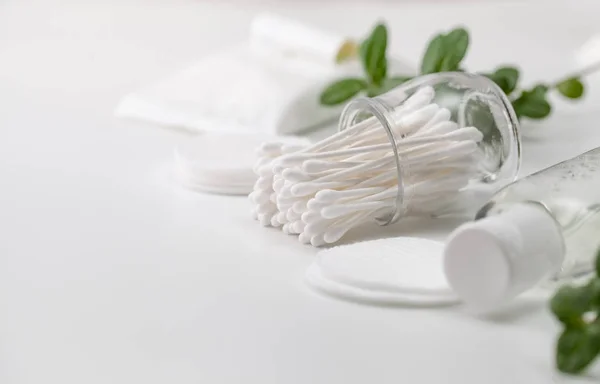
[(544, 227)]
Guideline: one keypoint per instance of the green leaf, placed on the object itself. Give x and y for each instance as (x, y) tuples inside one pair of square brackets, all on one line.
[(539, 91), (569, 304), (342, 90), (534, 109), (533, 103), (598, 263), (506, 78), (594, 287), (571, 88), (373, 54), (445, 52), (455, 45), (362, 49), (577, 348), (434, 54), (374, 91), (380, 73), (389, 84)]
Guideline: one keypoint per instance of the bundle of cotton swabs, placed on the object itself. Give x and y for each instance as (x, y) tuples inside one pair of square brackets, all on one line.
[(320, 191)]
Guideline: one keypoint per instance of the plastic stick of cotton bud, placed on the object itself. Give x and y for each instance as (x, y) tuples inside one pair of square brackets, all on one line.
[(419, 99), (453, 148), (469, 134)]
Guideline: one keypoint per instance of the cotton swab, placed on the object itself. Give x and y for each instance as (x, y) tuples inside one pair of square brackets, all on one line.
[(321, 191)]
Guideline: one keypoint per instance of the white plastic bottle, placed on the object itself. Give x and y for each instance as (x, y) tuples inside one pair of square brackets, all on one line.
[(543, 227)]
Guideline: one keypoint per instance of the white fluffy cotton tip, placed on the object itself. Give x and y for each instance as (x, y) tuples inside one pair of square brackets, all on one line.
[(315, 166), (300, 206), (264, 220), (310, 217), (304, 238), (286, 229), (278, 184), (317, 241), (281, 218), (265, 171), (298, 226), (275, 222)]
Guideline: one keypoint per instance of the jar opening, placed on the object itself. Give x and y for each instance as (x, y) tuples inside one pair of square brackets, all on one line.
[(370, 111)]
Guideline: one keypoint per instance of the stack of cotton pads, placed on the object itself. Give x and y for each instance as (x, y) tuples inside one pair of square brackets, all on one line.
[(321, 191), (222, 163), (402, 270)]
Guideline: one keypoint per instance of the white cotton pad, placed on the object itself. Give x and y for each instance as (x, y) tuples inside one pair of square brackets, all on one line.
[(222, 163), (402, 270)]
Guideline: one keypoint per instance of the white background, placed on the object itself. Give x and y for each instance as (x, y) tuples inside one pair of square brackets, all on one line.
[(110, 273)]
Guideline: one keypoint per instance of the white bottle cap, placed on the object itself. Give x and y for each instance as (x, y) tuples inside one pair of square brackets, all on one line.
[(492, 260)]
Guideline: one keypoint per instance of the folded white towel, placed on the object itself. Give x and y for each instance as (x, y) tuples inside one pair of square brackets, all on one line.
[(270, 84)]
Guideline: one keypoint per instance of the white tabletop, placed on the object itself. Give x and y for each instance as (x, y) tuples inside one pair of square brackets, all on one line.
[(110, 273)]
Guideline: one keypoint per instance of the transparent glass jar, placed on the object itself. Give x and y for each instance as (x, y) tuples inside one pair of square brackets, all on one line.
[(471, 101)]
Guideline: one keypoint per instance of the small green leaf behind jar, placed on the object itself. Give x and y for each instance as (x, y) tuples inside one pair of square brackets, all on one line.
[(506, 78), (434, 54), (456, 44), (533, 103), (445, 52), (373, 54), (388, 84), (572, 88), (342, 90)]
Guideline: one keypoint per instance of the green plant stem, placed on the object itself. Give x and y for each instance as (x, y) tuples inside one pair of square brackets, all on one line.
[(590, 69)]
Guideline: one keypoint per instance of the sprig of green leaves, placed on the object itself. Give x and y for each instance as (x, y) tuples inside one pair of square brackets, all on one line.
[(373, 55), (373, 58), (578, 309), (445, 52), (342, 90)]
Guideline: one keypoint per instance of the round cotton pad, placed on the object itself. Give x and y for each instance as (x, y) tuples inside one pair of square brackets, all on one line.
[(222, 163), (403, 270)]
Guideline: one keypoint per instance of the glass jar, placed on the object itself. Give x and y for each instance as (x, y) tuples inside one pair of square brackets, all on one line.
[(465, 100)]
